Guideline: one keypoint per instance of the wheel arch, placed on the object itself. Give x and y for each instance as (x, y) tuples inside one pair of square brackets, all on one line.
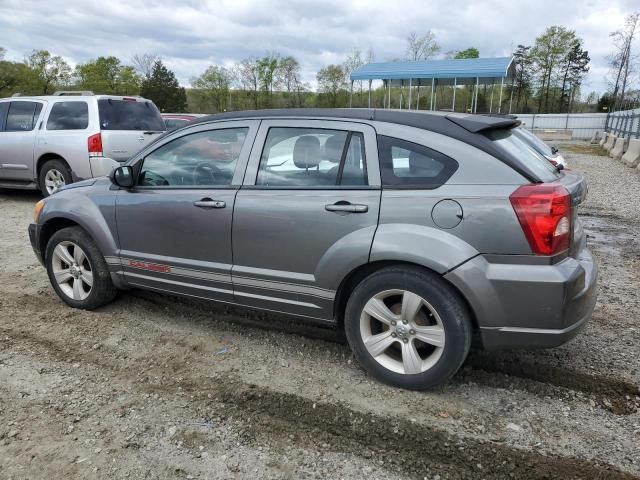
[(45, 157), (355, 276)]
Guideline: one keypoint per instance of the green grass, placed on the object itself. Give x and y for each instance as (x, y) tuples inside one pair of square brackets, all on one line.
[(586, 149)]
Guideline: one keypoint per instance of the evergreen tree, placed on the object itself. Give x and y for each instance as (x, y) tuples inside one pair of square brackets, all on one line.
[(163, 89)]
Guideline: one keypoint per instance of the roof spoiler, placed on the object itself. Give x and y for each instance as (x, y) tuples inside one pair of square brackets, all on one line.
[(80, 93), (483, 123)]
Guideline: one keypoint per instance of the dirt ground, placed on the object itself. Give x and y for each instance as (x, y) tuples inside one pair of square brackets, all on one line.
[(159, 387)]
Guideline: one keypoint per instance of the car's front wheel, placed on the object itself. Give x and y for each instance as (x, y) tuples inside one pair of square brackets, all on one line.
[(54, 175), (77, 270), (407, 327)]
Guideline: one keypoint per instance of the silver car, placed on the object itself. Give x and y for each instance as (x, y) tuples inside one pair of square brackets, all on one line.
[(411, 232), (47, 142)]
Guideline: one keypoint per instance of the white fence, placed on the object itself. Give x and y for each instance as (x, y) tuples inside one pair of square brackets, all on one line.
[(584, 125)]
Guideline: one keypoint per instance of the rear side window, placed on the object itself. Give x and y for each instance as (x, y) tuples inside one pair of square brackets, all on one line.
[(515, 146), (405, 164), (312, 157), (129, 115), (68, 116), (22, 116)]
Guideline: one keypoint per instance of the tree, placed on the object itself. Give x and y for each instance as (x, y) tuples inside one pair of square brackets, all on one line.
[(288, 76), (143, 63), (331, 80), (163, 88), (621, 60), (470, 52), (576, 65), (523, 79), (214, 84), (15, 77), (355, 60), (266, 70), (548, 53), (421, 48), (247, 78), (3, 52), (49, 71), (107, 75)]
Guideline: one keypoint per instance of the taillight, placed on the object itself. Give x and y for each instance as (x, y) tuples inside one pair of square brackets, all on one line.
[(553, 162), (95, 145), (544, 212)]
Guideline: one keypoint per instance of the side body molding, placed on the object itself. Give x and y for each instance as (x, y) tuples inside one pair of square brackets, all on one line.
[(427, 246)]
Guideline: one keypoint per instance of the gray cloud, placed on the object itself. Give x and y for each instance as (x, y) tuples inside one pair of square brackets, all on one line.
[(190, 35)]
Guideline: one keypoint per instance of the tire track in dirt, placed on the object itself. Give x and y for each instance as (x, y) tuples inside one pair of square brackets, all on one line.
[(269, 415)]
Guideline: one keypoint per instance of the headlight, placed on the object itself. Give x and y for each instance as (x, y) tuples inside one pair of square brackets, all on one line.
[(37, 209)]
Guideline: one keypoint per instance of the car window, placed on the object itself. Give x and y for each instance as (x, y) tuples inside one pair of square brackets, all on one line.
[(535, 142), (173, 123), (407, 164), (199, 159), (296, 157), (22, 116), (521, 149), (68, 116), (129, 115)]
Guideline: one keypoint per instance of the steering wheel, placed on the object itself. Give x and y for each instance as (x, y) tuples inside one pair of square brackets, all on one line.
[(204, 174)]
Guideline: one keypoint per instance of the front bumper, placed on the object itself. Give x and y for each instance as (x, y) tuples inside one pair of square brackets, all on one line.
[(33, 238), (529, 306)]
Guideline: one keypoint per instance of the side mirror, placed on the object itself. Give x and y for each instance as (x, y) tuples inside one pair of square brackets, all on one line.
[(122, 176), (554, 150)]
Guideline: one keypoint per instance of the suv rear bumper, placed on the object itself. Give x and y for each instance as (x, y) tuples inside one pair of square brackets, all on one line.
[(529, 306)]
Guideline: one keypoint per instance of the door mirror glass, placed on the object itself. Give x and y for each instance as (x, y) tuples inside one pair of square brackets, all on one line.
[(123, 176)]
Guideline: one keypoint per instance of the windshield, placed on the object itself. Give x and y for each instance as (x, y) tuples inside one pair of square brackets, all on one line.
[(129, 115), (536, 143), (519, 148)]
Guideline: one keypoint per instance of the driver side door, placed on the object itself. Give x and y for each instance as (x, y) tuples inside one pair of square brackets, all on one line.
[(174, 226)]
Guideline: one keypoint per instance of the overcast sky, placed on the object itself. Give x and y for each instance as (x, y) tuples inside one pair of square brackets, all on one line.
[(190, 35)]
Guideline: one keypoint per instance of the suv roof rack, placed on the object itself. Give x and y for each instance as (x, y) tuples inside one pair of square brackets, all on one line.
[(61, 93)]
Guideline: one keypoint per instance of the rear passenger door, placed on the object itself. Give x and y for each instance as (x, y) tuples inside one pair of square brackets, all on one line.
[(17, 140), (306, 214)]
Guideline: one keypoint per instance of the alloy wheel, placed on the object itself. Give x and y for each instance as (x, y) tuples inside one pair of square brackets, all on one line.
[(72, 270), (54, 180), (402, 331)]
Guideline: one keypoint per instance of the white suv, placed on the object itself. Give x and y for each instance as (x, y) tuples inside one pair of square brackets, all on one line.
[(47, 142)]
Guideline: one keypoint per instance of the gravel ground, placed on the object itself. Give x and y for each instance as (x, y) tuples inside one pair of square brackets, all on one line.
[(160, 387)]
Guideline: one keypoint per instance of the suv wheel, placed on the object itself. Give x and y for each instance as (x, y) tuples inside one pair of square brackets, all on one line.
[(408, 328), (54, 175), (77, 270)]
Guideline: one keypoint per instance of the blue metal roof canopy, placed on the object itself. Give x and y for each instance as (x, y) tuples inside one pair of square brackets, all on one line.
[(437, 72)]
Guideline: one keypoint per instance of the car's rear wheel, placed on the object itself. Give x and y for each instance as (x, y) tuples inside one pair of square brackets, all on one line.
[(407, 327), (54, 175), (77, 270)]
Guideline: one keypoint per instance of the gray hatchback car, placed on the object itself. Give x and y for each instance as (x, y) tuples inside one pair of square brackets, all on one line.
[(413, 232)]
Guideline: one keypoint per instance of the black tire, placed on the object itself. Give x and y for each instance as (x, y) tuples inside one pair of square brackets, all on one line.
[(102, 290), (450, 307), (50, 165)]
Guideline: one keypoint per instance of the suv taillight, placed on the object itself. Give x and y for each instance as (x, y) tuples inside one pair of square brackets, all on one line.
[(95, 145), (544, 212)]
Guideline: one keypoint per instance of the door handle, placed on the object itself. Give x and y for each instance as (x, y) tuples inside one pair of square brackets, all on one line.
[(209, 203), (346, 207)]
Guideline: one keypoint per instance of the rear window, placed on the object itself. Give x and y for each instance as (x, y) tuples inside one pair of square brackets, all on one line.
[(68, 116), (519, 148), (536, 143), (409, 165), (129, 115)]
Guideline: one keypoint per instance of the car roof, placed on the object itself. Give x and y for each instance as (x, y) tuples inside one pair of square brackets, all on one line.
[(447, 123), (63, 98)]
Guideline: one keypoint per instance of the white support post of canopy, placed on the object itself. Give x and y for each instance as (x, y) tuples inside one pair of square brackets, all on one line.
[(351, 95), (491, 101), (511, 96), (401, 93), (369, 93), (389, 99), (455, 84), (475, 100), (500, 98), (418, 95), (433, 81), (410, 88)]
